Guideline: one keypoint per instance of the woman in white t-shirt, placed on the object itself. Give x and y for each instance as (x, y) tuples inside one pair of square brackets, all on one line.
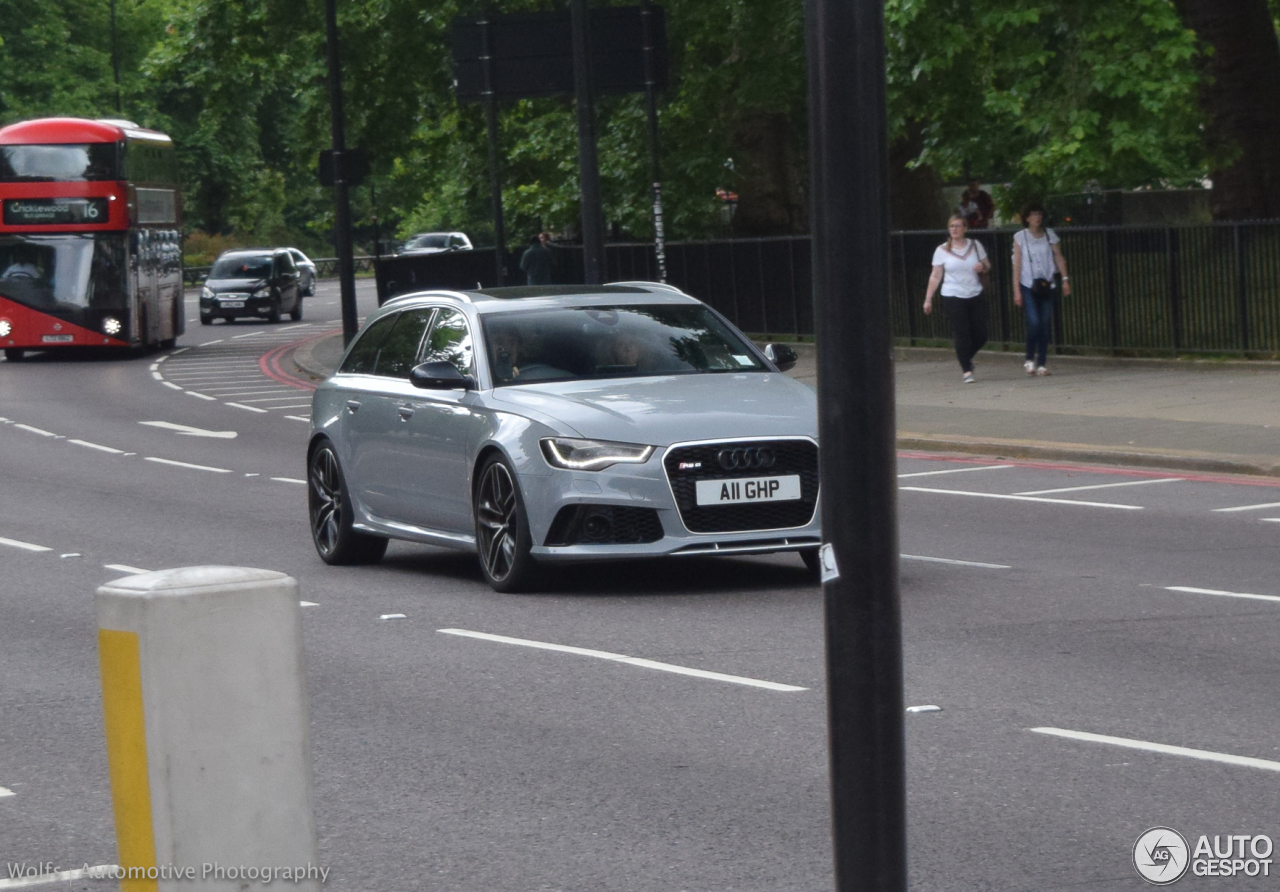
[(1037, 257), (956, 265)]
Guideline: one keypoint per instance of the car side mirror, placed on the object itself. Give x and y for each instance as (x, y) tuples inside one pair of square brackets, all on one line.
[(440, 375), (782, 356)]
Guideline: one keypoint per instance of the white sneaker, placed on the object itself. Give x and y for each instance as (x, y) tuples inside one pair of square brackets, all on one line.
[(1042, 371), (968, 378), (1030, 367)]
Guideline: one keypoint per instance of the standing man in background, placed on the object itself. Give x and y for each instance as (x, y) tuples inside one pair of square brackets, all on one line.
[(537, 261)]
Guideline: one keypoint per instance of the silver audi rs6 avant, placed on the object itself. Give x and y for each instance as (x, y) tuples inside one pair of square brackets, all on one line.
[(561, 423)]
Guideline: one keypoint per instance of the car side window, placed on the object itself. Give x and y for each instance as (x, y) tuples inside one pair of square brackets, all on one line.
[(398, 352), (286, 264), (450, 340), (364, 353)]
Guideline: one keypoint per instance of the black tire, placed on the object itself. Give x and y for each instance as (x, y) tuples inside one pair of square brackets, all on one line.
[(813, 563), (296, 313), (502, 529), (273, 315), (228, 319), (15, 354), (329, 506), (206, 319)]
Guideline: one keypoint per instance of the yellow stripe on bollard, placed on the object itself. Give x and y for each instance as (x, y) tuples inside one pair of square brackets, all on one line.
[(127, 757)]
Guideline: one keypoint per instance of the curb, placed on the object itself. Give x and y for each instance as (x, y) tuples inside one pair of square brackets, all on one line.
[(304, 360), (1168, 459)]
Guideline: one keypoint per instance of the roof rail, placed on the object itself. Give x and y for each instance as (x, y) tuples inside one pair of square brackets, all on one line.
[(434, 292), (661, 286)]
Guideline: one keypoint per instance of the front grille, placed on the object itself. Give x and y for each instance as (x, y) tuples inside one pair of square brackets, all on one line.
[(702, 463), (604, 525)]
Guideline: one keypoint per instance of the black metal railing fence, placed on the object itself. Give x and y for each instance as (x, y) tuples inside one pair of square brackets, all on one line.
[(1210, 288)]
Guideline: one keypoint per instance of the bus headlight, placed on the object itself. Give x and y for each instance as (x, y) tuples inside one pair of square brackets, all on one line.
[(111, 325), (6, 328)]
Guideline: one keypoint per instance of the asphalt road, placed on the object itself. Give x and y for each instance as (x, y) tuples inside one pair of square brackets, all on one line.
[(1085, 601)]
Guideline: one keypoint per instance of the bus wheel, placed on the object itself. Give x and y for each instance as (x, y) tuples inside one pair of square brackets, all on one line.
[(14, 354), (168, 343)]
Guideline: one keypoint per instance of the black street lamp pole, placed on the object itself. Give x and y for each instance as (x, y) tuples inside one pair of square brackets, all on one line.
[(848, 182), (341, 198), (588, 162), (115, 58)]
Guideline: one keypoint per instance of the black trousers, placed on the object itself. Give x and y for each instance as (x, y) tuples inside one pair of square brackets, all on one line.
[(968, 318)]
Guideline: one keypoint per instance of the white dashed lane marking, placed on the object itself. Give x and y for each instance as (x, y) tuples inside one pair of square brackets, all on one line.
[(955, 471), (630, 661), (1163, 748), (1045, 492), (1015, 498), (25, 546), (1221, 594)]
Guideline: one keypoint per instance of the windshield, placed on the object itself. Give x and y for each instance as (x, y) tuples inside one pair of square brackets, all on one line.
[(241, 268), (25, 164), (428, 241), (612, 342), (62, 274)]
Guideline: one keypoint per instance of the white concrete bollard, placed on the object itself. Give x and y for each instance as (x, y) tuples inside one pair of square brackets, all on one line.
[(205, 705)]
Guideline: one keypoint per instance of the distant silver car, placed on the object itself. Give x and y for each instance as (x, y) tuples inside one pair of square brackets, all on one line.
[(306, 271), (561, 423), (435, 243)]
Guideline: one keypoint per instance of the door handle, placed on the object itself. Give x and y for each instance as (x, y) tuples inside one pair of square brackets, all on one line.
[(405, 412), (352, 405)]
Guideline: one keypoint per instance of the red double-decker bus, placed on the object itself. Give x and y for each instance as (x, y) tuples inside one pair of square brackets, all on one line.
[(90, 236)]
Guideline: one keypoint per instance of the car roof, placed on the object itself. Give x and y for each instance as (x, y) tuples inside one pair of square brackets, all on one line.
[(239, 252), (525, 297)]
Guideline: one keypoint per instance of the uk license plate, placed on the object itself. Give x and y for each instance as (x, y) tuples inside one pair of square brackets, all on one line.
[(57, 339), (748, 489), (233, 303)]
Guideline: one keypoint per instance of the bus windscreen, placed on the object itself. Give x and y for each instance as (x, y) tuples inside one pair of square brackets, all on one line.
[(58, 163)]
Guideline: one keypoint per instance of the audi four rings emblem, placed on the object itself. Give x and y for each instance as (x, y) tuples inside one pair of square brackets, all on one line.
[(746, 459)]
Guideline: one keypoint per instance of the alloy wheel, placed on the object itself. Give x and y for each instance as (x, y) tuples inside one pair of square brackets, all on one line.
[(326, 500), (498, 520)]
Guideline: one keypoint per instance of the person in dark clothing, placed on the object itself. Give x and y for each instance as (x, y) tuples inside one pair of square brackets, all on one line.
[(537, 261), (976, 206)]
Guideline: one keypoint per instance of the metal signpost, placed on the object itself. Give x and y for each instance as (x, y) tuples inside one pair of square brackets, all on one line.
[(859, 487), (550, 53), (341, 199)]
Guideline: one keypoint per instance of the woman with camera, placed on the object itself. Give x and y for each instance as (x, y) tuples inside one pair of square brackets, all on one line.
[(1037, 259)]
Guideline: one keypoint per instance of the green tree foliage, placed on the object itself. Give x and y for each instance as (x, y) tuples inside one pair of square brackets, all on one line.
[(1050, 95), (55, 56)]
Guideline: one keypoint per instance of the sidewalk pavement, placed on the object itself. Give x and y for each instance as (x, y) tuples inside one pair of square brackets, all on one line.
[(1203, 416)]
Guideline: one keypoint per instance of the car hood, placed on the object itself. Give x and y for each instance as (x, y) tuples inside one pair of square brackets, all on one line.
[(673, 408), (218, 286)]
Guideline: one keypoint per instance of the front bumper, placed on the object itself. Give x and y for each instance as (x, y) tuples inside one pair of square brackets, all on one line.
[(222, 306), (561, 534)]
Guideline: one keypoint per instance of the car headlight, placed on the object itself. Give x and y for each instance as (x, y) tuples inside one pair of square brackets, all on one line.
[(592, 455), (261, 292), (206, 292)]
